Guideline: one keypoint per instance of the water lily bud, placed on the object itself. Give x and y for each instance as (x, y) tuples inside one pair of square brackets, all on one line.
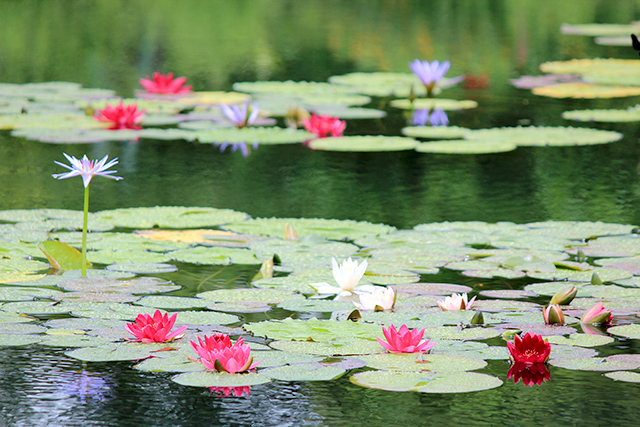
[(267, 269), (595, 279), (290, 232), (564, 296), (295, 116), (597, 314), (580, 256), (553, 315), (477, 319)]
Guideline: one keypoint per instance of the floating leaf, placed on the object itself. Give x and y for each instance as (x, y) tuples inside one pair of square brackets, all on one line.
[(177, 362), (582, 340), (317, 330), (434, 132), (115, 352), (126, 257), (616, 362), (18, 340), (429, 103), (219, 379), (214, 256), (626, 376), (545, 136), (466, 147), (304, 372), (599, 29), (264, 296), (371, 143), (586, 90), (631, 114), (425, 382), (169, 217), (339, 347), (349, 113), (420, 363), (261, 135), (316, 305), (583, 66), (171, 303), (627, 331), (143, 268)]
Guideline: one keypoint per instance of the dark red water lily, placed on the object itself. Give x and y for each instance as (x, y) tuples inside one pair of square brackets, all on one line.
[(529, 349), (161, 83), (530, 374), (121, 116)]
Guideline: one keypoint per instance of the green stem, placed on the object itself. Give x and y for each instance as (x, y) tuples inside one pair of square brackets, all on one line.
[(84, 231)]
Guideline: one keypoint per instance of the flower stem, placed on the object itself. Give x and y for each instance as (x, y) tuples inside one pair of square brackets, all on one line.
[(84, 231)]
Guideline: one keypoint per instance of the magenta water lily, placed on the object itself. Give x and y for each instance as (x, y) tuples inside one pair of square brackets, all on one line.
[(87, 169)]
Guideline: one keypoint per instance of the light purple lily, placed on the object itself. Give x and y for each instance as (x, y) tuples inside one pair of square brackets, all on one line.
[(420, 117), (87, 168), (242, 146), (241, 116), (438, 118)]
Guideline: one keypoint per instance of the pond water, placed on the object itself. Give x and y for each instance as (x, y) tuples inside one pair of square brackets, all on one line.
[(111, 44)]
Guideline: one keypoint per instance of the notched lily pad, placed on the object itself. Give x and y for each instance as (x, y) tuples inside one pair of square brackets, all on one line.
[(545, 136), (429, 103), (581, 340), (425, 382), (304, 372), (169, 217), (371, 143), (219, 379), (466, 147), (626, 376)]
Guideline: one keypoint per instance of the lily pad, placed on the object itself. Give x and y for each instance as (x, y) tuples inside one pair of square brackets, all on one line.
[(263, 296), (545, 136), (169, 217), (171, 303), (219, 379), (261, 135), (339, 347), (125, 257), (429, 103), (583, 66), (616, 362), (143, 268), (626, 376), (115, 352), (420, 363), (466, 147), (434, 132), (586, 91), (372, 143), (631, 114), (18, 340), (214, 256), (581, 340), (349, 113), (425, 382), (314, 329), (304, 372), (599, 29), (316, 305), (627, 331)]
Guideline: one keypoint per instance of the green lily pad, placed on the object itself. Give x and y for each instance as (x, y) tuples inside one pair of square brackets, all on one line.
[(177, 362), (264, 296), (466, 147), (424, 382), (317, 330), (239, 307), (327, 228), (67, 341), (146, 285), (616, 362), (26, 294), (143, 268), (586, 91), (219, 379), (36, 308), (606, 274), (349, 113), (420, 363), (599, 29), (205, 318), (171, 303), (261, 135), (115, 352), (290, 87), (125, 257), (62, 256), (304, 372), (581, 340), (584, 66), (627, 331), (372, 143), (431, 288), (434, 132), (454, 333), (429, 103), (214, 256), (338, 347), (626, 376), (20, 328), (270, 359), (631, 114), (316, 305), (18, 340), (545, 136), (169, 217)]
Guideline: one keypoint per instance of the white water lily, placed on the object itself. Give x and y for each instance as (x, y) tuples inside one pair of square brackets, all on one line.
[(456, 302), (380, 299), (347, 275)]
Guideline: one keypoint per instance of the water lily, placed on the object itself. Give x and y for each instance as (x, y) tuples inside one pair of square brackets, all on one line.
[(529, 349), (161, 83), (429, 72), (87, 169), (323, 126), (380, 299), (228, 391), (597, 314), (347, 275), (456, 302), (553, 315), (404, 340), (241, 116), (530, 374), (156, 328), (564, 296), (217, 353), (121, 116)]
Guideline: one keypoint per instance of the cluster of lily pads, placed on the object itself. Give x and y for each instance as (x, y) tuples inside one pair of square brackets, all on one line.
[(167, 109), (310, 337)]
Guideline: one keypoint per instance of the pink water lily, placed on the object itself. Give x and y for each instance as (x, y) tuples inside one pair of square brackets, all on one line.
[(166, 84), (597, 314), (323, 126), (218, 354), (529, 349), (456, 302), (148, 329), (404, 340), (121, 116), (553, 315)]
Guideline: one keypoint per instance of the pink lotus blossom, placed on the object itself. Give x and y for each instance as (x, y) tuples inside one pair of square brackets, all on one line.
[(121, 116), (529, 349), (165, 84), (324, 125), (149, 329), (404, 340), (597, 314), (217, 353)]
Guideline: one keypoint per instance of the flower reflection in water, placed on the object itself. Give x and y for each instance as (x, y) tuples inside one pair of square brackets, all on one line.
[(244, 148), (85, 385), (230, 391), (530, 374)]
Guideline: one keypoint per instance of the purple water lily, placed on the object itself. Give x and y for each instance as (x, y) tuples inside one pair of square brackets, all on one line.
[(241, 116), (87, 168), (429, 72)]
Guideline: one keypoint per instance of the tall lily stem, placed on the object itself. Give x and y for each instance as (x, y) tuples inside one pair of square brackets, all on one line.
[(84, 231)]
